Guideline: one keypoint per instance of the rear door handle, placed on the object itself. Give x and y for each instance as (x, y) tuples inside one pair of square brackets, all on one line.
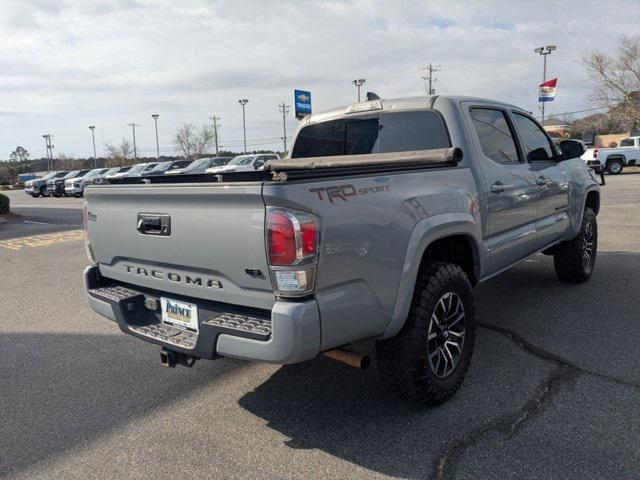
[(498, 188)]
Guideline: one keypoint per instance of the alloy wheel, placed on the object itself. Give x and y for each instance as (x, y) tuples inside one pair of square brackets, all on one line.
[(445, 337), (587, 246)]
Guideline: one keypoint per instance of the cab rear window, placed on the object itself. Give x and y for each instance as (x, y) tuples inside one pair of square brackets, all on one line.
[(386, 133)]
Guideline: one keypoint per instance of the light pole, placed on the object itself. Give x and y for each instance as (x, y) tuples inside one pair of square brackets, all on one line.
[(46, 143), (93, 138), (243, 102), (544, 51), (133, 125), (284, 109), (155, 119), (358, 83)]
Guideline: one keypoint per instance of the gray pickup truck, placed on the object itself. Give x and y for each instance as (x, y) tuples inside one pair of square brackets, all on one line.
[(375, 228)]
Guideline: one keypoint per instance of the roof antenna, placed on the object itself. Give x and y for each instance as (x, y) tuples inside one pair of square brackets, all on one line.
[(372, 96)]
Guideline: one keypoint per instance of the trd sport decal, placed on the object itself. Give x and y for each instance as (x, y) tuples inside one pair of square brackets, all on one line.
[(346, 191)]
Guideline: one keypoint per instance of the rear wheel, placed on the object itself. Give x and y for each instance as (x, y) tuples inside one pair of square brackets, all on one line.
[(615, 166), (428, 360), (574, 260)]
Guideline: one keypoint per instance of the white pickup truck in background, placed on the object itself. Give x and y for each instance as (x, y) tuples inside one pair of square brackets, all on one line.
[(613, 160)]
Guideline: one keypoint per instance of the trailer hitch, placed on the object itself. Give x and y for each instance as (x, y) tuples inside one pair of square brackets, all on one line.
[(170, 359)]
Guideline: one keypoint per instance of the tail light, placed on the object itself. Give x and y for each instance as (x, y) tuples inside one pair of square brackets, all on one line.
[(595, 153), (293, 239), (85, 229)]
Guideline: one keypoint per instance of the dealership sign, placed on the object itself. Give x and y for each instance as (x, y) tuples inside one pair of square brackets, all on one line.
[(302, 101)]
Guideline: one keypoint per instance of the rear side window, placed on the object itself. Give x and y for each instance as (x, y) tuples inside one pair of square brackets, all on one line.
[(535, 143), (411, 131), (495, 135), (391, 132), (626, 142)]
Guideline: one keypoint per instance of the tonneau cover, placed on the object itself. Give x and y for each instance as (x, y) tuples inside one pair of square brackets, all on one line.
[(425, 157)]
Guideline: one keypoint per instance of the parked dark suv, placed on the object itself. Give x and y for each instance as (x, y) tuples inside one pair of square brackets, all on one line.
[(55, 186)]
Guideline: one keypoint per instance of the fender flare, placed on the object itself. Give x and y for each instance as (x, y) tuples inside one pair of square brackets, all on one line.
[(424, 234)]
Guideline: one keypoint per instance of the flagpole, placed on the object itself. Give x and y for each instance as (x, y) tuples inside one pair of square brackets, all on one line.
[(544, 53), (544, 79)]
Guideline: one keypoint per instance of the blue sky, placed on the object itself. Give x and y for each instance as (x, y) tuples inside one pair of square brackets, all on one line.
[(65, 65)]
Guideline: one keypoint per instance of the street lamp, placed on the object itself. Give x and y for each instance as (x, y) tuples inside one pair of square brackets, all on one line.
[(93, 138), (243, 102), (358, 83), (155, 119), (544, 51)]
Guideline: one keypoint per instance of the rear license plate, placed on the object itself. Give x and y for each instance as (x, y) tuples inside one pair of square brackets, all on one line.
[(179, 314)]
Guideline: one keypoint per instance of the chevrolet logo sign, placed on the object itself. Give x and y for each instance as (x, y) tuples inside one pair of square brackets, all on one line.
[(303, 98)]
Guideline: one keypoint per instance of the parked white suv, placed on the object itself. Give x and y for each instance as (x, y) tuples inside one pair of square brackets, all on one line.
[(613, 160), (244, 163)]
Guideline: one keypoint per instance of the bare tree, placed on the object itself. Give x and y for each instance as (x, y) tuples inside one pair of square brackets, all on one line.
[(119, 154), (617, 80), (192, 142), (64, 162)]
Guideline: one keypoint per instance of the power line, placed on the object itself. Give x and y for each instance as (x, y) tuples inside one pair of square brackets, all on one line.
[(430, 77), (284, 109), (215, 129)]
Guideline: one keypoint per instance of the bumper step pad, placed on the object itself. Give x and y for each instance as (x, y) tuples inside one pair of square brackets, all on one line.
[(258, 328), (168, 334), (114, 294)]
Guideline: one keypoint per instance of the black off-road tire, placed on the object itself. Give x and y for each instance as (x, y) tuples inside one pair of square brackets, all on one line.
[(615, 166), (570, 260), (403, 361)]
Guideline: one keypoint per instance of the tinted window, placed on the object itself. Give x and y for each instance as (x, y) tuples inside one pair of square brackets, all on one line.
[(392, 132), (495, 135), (535, 143), (626, 142), (410, 131), (320, 140)]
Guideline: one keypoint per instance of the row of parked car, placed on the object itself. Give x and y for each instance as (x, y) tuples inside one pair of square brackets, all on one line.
[(72, 183)]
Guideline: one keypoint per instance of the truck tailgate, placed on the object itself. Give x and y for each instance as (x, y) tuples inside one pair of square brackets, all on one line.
[(214, 247)]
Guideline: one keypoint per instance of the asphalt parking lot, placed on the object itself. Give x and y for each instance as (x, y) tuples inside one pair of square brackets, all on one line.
[(553, 390)]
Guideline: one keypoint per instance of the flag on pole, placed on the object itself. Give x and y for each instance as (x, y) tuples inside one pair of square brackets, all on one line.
[(547, 90)]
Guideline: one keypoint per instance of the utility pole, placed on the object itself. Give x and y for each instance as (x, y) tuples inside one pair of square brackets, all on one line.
[(243, 102), (430, 77), (49, 146), (93, 138), (155, 119), (544, 51), (358, 82), (215, 129), (133, 126), (284, 109)]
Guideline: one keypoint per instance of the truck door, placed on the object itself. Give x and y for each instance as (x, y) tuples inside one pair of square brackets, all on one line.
[(550, 175), (511, 195)]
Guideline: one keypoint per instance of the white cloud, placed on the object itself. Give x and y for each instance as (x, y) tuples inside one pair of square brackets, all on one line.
[(67, 65)]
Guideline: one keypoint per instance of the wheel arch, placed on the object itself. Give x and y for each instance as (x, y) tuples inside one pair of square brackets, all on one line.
[(454, 238), (592, 200)]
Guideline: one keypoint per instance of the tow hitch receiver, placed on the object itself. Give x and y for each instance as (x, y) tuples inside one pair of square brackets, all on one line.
[(170, 359)]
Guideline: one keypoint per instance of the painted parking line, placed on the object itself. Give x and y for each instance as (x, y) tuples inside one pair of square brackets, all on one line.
[(42, 240)]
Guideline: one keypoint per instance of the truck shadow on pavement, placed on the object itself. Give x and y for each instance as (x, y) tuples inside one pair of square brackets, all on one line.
[(347, 413)]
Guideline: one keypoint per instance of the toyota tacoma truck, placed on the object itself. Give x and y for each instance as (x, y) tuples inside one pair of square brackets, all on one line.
[(375, 228)]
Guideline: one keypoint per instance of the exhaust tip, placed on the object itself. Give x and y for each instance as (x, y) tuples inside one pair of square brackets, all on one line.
[(353, 359)]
